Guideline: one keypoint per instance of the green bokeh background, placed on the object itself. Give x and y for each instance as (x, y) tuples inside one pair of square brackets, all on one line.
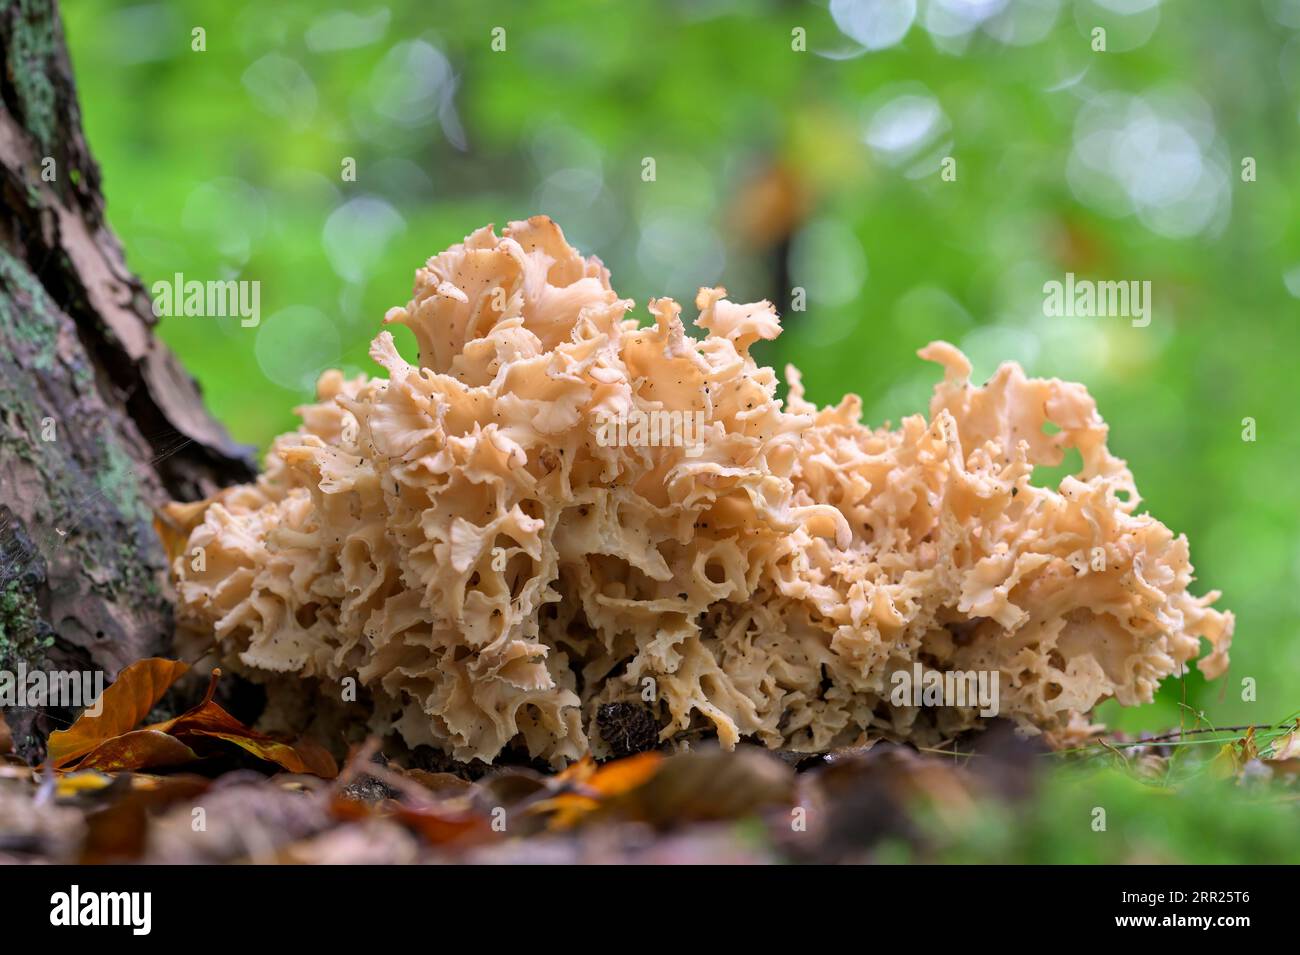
[(1123, 164)]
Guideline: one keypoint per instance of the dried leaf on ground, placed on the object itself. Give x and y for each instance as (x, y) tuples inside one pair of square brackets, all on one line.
[(123, 706), (439, 784), (214, 722), (707, 786), (584, 787), (74, 785), (452, 820), (37, 831), (667, 791), (248, 820), (109, 742), (139, 749), (119, 831), (437, 807), (440, 825), (512, 788), (373, 842)]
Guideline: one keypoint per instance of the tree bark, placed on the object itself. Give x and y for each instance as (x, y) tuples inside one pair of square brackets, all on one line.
[(99, 423)]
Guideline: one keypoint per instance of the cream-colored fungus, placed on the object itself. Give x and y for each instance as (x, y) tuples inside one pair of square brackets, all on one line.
[(456, 539)]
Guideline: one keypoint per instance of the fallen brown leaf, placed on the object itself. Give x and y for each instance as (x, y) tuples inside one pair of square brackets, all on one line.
[(138, 749), (707, 786), (584, 787), (668, 791), (211, 721), (109, 742), (374, 842), (76, 784), (247, 818), (440, 825), (439, 784), (119, 831), (125, 703)]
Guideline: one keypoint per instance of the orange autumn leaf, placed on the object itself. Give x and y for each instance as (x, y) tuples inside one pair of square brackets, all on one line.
[(126, 702), (665, 791), (578, 772), (439, 784), (80, 783), (300, 757), (139, 749), (119, 832), (613, 776), (585, 788), (349, 810), (111, 743), (438, 825), (709, 785), (169, 726), (623, 775), (209, 720)]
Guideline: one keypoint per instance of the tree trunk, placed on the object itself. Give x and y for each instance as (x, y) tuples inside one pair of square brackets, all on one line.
[(99, 424)]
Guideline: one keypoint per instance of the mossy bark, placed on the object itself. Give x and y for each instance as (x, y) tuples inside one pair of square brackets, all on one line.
[(99, 424)]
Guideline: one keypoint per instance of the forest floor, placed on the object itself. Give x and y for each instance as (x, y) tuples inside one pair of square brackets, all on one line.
[(199, 787)]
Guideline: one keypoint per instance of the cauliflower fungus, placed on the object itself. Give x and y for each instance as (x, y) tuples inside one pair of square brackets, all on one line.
[(457, 540)]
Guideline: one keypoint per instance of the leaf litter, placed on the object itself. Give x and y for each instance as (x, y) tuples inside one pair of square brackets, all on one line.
[(113, 790)]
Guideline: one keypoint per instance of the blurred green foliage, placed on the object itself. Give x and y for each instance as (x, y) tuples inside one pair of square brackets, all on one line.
[(775, 167), (1201, 821)]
